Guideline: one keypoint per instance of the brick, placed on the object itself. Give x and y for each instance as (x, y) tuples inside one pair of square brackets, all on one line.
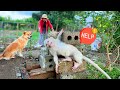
[(41, 74), (46, 62), (66, 67), (32, 65), (71, 38)]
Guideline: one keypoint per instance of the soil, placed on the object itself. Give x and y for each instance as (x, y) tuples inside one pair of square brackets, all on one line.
[(8, 67)]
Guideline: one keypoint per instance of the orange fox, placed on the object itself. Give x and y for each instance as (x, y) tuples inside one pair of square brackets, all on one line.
[(16, 46)]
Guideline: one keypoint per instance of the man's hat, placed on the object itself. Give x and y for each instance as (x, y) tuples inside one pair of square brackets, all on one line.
[(44, 16)]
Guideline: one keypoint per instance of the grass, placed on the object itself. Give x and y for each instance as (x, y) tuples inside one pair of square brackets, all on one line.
[(10, 34), (95, 74), (35, 35), (15, 34), (34, 39)]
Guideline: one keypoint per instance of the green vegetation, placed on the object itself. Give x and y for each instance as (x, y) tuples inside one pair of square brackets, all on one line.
[(106, 22), (6, 23), (95, 74)]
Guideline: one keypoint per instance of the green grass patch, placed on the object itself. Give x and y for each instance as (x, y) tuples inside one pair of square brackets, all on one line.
[(35, 35), (95, 74)]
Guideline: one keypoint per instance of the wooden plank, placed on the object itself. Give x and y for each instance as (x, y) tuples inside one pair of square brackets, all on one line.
[(36, 72), (77, 75), (32, 65), (41, 74)]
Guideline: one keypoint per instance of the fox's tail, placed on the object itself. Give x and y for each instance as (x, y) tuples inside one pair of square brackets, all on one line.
[(1, 56)]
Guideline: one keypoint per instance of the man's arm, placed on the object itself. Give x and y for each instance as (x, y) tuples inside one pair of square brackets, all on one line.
[(50, 25), (39, 25)]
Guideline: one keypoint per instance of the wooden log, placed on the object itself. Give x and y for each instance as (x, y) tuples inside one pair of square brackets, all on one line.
[(36, 72), (41, 74), (32, 65), (76, 75)]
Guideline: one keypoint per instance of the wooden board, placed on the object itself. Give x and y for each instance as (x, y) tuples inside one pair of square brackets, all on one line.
[(32, 65), (41, 74)]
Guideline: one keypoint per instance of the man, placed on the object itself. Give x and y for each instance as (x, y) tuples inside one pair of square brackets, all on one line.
[(43, 25)]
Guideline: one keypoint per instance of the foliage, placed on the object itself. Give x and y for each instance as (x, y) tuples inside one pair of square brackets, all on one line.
[(10, 24), (107, 28), (62, 18), (107, 24), (95, 74), (2, 18)]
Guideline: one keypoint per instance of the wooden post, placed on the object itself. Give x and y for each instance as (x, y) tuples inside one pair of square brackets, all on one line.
[(34, 26), (17, 26), (57, 25), (17, 29), (2, 25)]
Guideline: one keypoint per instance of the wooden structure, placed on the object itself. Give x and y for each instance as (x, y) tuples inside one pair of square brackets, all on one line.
[(5, 25)]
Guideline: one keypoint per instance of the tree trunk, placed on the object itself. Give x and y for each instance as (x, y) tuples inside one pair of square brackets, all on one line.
[(57, 26)]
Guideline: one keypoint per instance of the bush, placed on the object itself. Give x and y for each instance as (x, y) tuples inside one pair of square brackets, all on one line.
[(93, 73)]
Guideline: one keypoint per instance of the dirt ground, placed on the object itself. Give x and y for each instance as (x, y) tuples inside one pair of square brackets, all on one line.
[(8, 67)]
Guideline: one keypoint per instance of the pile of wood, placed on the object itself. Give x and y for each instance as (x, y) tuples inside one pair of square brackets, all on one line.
[(34, 71)]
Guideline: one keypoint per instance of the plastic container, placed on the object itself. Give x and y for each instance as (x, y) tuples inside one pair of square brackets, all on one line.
[(95, 46)]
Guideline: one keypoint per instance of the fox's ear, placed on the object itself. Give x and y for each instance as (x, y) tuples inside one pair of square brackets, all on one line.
[(24, 32)]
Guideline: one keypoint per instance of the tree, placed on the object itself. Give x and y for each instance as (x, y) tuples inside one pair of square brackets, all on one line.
[(57, 18)]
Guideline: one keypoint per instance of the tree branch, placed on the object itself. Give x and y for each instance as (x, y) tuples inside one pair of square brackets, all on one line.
[(117, 55)]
